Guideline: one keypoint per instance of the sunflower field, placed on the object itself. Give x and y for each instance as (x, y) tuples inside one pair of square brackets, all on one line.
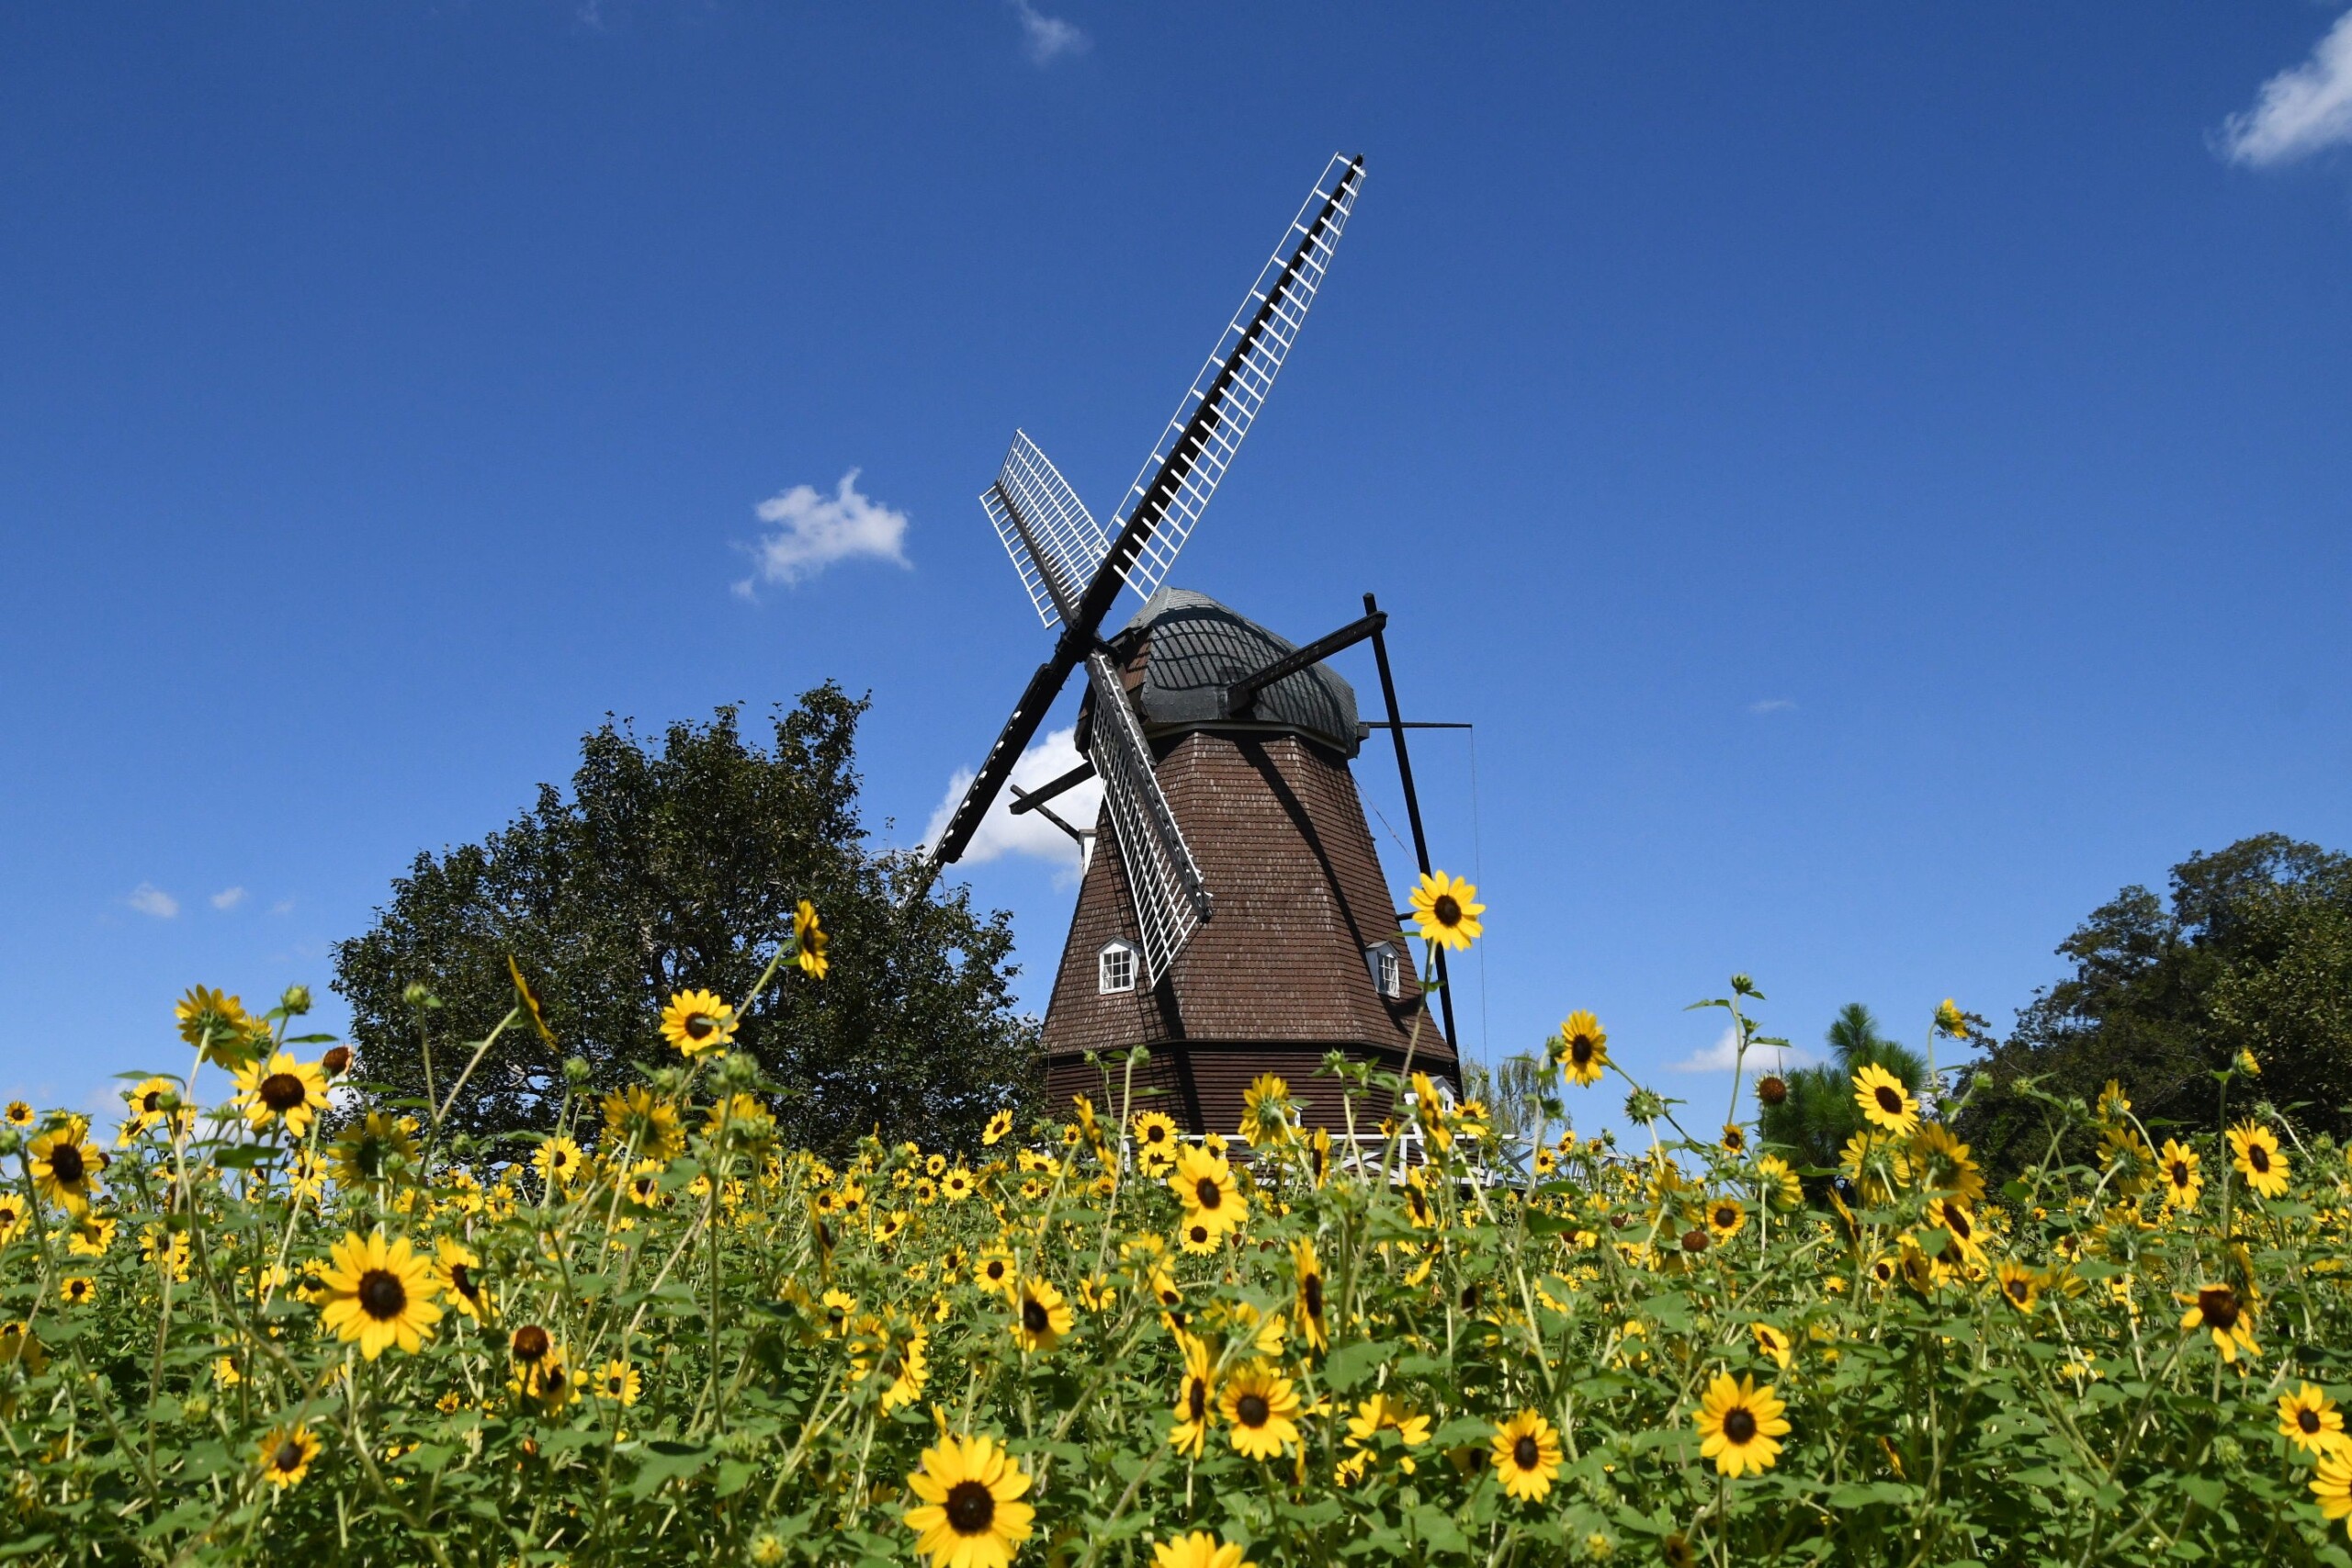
[(270, 1320)]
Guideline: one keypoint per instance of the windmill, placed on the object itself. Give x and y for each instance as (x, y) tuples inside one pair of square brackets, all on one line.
[(1222, 752)]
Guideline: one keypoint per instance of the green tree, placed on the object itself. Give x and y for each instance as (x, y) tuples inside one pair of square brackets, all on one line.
[(681, 867), (2253, 951), (1810, 1126)]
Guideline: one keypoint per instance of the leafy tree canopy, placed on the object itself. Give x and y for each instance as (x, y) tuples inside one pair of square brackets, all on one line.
[(2253, 951), (681, 867)]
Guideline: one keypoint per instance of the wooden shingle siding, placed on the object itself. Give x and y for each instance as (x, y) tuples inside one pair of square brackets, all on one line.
[(1277, 978)]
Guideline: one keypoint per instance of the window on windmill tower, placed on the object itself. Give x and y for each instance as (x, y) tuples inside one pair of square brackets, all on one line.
[(1388, 966), (1117, 967)]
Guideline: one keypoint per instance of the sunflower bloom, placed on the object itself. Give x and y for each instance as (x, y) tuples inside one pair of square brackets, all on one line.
[(1527, 1456), (1198, 1550), (1884, 1102), (696, 1021), (1447, 910), (2019, 1286), (559, 1161), (2217, 1310), (810, 941), (971, 1515), (376, 1148), (379, 1293), (1310, 1270), (458, 1273), (2177, 1167), (2309, 1420), (1259, 1406), (286, 1455), (1581, 1048), (1740, 1425), (1725, 1218), (66, 1165), (1265, 1110), (1196, 1396), (999, 1125), (1155, 1139), (1204, 1183), (1772, 1342), (281, 1091), (2333, 1486), (2253, 1151), (1041, 1315)]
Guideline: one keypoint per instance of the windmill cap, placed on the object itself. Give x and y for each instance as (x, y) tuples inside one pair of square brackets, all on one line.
[(1192, 648)]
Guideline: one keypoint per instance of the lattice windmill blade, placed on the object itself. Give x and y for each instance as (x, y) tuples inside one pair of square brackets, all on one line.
[(1170, 900), (1183, 471), (1054, 543)]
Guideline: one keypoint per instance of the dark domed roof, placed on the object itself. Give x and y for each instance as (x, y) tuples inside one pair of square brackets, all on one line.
[(1193, 648)]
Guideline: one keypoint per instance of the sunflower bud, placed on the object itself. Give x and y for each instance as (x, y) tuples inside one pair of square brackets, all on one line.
[(296, 1000), (337, 1061), (417, 993), (576, 1072), (1771, 1089), (1694, 1240)]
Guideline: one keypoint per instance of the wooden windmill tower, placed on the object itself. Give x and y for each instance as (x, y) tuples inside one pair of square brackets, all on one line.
[(1235, 917)]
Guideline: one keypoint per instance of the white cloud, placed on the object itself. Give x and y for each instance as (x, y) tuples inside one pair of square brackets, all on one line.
[(283, 907), (1001, 833), (1047, 38), (812, 531), (228, 898), (150, 899), (2302, 109), (1772, 704), (1720, 1056)]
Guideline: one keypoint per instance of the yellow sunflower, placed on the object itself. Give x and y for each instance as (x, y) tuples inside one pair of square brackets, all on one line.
[(1777, 1182), (1041, 1315), (218, 1026), (66, 1165), (643, 1183), (528, 1000), (1204, 1183), (1155, 1138), (377, 1147), (971, 1515), (1266, 1111), (1198, 1550), (18, 1114), (810, 941), (1740, 1424), (957, 1185), (2219, 1311), (1725, 1217), (1884, 1102), (1582, 1048), (2178, 1164), (2019, 1286), (2309, 1420), (559, 1161), (379, 1293), (1958, 1220), (638, 1116), (286, 1455), (1198, 1236), (457, 1271), (1259, 1406), (999, 1125), (1447, 910), (695, 1022), (995, 1271), (1195, 1395), (1527, 1456), (618, 1382), (12, 1215), (1772, 1342), (1945, 1164), (147, 1104), (1387, 1412), (2255, 1154), (77, 1289), (281, 1090), (2333, 1486), (898, 1353), (1309, 1270)]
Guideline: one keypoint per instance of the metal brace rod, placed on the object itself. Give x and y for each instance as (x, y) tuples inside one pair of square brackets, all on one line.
[(1034, 799), (1240, 696), (1396, 727)]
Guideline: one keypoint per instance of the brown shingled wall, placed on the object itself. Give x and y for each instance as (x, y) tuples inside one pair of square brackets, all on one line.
[(1277, 978)]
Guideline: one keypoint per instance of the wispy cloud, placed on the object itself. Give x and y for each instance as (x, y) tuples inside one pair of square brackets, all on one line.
[(810, 531), (1047, 38), (228, 898), (150, 899), (1002, 833), (2300, 111), (283, 907), (1772, 704), (1720, 1056)]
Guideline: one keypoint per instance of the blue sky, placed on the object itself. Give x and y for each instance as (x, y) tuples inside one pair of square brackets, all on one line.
[(1876, 477)]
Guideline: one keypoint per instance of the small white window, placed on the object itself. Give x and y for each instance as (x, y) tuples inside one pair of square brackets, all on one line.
[(1117, 967), (1387, 970)]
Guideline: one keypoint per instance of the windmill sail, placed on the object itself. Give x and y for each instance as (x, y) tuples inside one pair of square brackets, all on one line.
[(1183, 471), (1170, 900), (1054, 543)]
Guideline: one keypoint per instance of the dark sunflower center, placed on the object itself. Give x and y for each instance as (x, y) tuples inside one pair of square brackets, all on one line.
[(66, 1162), (1726, 1217), (2307, 1421), (699, 1026), (1889, 1101), (1447, 911), (1252, 1410), (1739, 1424), (461, 1281), (1196, 1399), (149, 1101), (531, 1342), (2180, 1173), (282, 1092), (1733, 1141), (1154, 1135), (1311, 1291), (1524, 1453), (2258, 1157), (2219, 1305), (1207, 1193), (367, 1155), (2017, 1289), (1957, 1222), (287, 1459), (1580, 1050), (382, 1294), (1034, 1316), (971, 1508)]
